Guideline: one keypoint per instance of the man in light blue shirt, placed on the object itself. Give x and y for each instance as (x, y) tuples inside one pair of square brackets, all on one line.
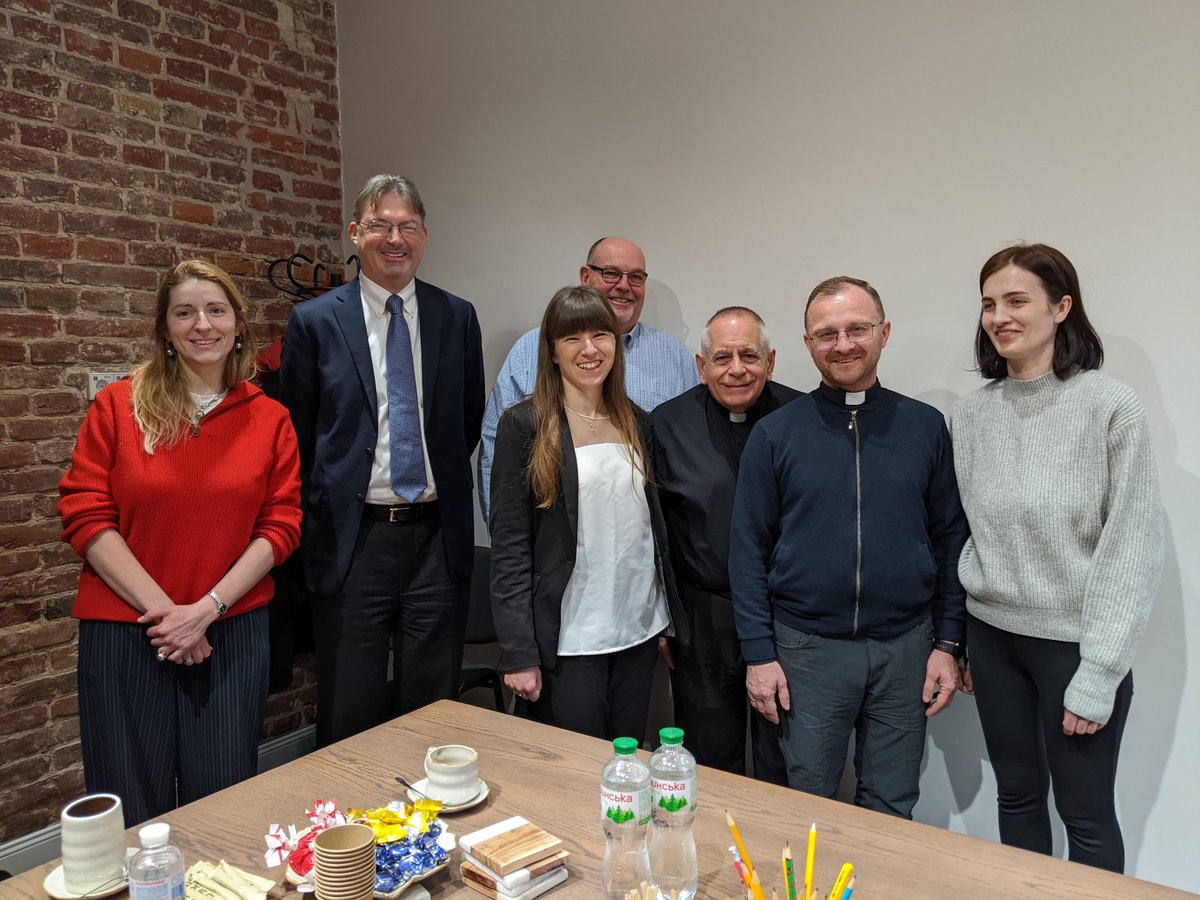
[(657, 365)]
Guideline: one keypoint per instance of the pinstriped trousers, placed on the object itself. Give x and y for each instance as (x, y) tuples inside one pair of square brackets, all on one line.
[(159, 735)]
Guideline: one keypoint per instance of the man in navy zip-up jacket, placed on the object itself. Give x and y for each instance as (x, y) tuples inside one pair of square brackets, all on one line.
[(846, 533)]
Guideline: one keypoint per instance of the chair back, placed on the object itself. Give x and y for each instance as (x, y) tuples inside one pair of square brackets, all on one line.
[(481, 629)]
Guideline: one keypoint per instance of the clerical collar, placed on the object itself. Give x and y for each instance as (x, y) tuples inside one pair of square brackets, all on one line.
[(849, 398), (737, 417)]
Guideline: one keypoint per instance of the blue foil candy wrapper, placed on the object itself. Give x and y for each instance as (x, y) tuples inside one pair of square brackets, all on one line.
[(401, 861)]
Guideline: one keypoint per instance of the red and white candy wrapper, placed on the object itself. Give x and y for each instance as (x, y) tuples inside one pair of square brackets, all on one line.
[(324, 814), (296, 849), (280, 845)]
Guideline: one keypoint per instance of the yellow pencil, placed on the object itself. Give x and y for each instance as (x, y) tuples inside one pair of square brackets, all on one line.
[(840, 885), (789, 873), (737, 839), (808, 862), (756, 887)]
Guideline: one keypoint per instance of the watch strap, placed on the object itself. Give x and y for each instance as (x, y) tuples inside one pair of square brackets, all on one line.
[(221, 607), (954, 648)]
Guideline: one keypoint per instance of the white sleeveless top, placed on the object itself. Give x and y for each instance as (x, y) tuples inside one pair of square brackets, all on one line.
[(613, 599)]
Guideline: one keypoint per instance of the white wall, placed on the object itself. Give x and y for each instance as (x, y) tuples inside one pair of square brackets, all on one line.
[(753, 149)]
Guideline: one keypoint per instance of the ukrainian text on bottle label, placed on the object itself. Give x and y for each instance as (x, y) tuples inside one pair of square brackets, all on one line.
[(674, 794), (625, 806)]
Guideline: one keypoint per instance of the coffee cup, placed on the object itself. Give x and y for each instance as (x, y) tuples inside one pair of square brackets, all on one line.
[(452, 774), (93, 842)]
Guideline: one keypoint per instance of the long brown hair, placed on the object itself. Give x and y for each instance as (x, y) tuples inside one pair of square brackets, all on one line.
[(571, 310), (162, 404)]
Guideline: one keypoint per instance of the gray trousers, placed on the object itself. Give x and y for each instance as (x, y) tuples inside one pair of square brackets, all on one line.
[(871, 687)]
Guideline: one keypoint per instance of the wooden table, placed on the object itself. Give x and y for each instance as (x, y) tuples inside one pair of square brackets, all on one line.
[(552, 778)]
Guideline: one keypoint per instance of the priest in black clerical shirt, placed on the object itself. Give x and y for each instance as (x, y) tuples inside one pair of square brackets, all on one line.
[(697, 447)]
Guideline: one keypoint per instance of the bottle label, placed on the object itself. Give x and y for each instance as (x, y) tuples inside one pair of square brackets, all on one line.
[(674, 795), (171, 888), (625, 806)]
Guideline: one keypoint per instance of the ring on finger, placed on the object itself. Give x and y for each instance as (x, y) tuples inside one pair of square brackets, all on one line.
[(188, 660), (162, 654)]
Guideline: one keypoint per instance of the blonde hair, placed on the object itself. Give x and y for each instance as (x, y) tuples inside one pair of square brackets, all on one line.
[(571, 310), (162, 405)]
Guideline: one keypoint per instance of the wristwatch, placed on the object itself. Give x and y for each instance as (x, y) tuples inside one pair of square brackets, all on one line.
[(221, 607), (954, 648)]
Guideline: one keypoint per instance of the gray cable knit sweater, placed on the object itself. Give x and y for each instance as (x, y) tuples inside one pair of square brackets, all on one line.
[(1059, 486)]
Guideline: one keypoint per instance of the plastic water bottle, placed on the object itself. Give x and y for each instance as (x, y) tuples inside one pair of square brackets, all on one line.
[(156, 872), (625, 812), (673, 798)]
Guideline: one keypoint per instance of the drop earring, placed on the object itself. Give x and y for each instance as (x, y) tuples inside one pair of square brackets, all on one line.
[(170, 349), (238, 345)]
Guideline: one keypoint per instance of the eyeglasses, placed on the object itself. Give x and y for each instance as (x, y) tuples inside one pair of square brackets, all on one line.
[(858, 333), (613, 276), (377, 228)]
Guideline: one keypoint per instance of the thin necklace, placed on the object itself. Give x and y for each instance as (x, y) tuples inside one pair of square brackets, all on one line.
[(203, 409), (591, 419)]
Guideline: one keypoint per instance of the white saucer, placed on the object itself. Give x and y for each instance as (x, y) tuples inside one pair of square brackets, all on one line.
[(56, 886), (417, 792)]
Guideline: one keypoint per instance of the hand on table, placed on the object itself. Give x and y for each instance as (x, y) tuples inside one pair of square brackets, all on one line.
[(767, 688)]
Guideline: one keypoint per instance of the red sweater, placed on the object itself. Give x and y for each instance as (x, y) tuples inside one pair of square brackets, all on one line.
[(187, 512)]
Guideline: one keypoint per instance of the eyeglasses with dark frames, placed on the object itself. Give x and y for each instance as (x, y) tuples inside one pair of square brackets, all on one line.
[(609, 275)]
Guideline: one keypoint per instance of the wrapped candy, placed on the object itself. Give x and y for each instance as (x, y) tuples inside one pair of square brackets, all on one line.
[(296, 848), (412, 856)]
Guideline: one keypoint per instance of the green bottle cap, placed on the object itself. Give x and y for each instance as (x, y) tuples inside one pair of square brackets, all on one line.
[(671, 735), (625, 746)]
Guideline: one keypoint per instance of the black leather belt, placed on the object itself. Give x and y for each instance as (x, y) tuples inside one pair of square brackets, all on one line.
[(399, 514)]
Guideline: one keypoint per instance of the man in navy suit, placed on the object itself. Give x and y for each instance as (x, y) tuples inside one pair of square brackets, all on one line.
[(384, 380)]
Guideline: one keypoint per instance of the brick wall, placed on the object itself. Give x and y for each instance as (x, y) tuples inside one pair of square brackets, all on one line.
[(132, 134)]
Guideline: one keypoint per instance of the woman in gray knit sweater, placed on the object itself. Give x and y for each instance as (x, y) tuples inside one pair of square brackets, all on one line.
[(1058, 481)]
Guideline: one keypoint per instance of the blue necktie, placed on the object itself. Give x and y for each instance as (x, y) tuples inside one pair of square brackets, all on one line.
[(404, 419)]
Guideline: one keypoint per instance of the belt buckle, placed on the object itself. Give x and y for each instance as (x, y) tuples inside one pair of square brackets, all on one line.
[(392, 511)]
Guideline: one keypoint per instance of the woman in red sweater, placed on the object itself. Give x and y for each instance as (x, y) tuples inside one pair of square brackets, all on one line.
[(183, 492)]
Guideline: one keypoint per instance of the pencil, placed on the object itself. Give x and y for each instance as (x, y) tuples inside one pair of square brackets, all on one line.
[(849, 889), (756, 887), (789, 873), (808, 862), (737, 839), (840, 884), (741, 869)]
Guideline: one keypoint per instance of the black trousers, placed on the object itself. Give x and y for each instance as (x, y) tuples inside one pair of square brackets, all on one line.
[(1019, 687), (158, 734), (398, 597), (709, 688), (606, 695)]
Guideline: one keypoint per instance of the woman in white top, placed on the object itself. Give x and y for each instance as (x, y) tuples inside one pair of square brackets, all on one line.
[(580, 592)]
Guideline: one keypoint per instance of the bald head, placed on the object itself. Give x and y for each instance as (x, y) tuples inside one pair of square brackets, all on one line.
[(616, 267)]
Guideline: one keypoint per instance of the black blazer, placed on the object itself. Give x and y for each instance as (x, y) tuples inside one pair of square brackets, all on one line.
[(328, 385), (533, 550)]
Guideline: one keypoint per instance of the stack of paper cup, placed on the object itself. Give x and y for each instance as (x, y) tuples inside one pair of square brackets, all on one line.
[(345, 862)]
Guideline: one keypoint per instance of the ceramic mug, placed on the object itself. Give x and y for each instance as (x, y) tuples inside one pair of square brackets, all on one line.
[(452, 773), (93, 842)]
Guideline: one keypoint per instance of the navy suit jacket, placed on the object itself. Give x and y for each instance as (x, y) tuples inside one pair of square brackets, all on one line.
[(328, 385)]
